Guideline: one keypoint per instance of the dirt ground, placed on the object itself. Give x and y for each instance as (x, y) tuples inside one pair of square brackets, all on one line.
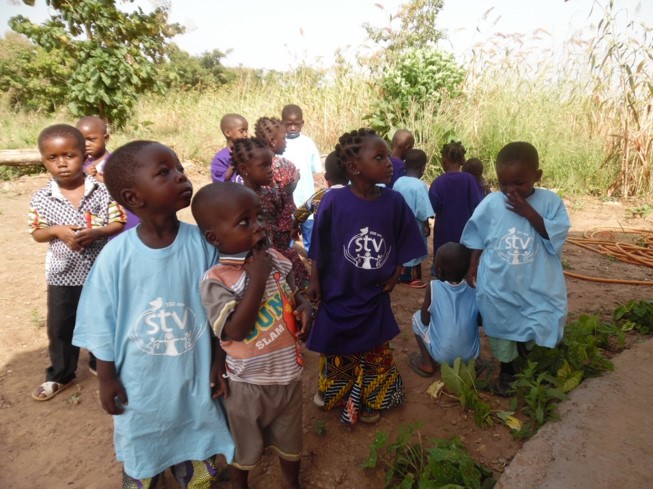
[(67, 442)]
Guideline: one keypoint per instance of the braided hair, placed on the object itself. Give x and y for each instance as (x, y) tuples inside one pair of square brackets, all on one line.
[(243, 150), (267, 127), (454, 152), (350, 143)]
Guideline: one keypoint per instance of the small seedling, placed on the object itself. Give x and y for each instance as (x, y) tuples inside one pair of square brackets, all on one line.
[(319, 428), (36, 319), (75, 398)]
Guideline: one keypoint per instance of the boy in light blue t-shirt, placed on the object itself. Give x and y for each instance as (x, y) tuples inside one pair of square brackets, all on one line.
[(140, 313)]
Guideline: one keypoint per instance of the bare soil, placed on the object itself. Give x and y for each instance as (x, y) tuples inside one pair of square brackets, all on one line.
[(67, 442)]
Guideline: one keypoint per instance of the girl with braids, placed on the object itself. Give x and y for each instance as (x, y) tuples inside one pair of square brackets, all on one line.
[(454, 196), (273, 132), (252, 159), (362, 235)]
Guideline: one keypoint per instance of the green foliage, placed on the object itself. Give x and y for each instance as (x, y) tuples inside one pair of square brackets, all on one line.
[(183, 71), (419, 77), (107, 57), (409, 464), (461, 379), (637, 315)]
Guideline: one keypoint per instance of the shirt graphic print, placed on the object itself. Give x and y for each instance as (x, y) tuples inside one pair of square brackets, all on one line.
[(367, 250)]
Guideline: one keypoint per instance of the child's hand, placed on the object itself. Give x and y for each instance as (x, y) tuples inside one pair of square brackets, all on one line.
[(294, 232), (427, 229), (304, 314), (313, 291), (260, 265), (518, 204), (90, 170), (389, 284), (219, 385), (110, 389), (86, 237), (470, 277), (68, 234)]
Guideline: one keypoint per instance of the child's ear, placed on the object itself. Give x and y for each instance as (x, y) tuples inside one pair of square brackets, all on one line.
[(538, 175), (352, 167), (132, 198), (106, 138), (210, 236)]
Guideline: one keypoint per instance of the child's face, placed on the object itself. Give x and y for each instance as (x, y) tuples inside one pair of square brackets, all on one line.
[(293, 124), (278, 141), (160, 184), (63, 158), (372, 162), (236, 227), (258, 169), (238, 130), (96, 139), (517, 178)]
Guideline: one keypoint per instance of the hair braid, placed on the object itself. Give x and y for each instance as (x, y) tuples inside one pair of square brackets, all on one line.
[(267, 127), (243, 150), (350, 144), (454, 152)]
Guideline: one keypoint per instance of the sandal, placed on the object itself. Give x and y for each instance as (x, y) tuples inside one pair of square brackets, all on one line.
[(412, 363), (415, 284), (318, 399), (369, 415), (48, 389)]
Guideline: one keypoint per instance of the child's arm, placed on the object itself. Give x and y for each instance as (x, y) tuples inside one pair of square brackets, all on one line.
[(110, 387), (425, 315), (389, 284), (313, 291), (219, 384), (474, 259), (520, 206), (65, 233), (303, 309), (241, 322)]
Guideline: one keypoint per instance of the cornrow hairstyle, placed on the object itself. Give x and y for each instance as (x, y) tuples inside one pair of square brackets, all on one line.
[(266, 127), (334, 171), (120, 169), (415, 158), (454, 151), (350, 144), (519, 152), (243, 150), (291, 109), (63, 131)]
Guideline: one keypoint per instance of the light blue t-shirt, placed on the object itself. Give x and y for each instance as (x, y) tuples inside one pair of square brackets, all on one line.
[(140, 308), (416, 195), (521, 290), (453, 329)]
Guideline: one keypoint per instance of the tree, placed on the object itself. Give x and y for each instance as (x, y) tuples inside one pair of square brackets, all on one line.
[(109, 55), (193, 72)]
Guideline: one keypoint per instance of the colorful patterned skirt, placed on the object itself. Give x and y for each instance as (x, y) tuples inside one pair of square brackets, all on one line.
[(360, 380)]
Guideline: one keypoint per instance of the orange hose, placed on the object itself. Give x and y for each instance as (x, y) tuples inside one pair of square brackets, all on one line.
[(630, 253)]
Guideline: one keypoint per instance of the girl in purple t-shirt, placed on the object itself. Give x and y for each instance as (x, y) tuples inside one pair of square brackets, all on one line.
[(362, 235)]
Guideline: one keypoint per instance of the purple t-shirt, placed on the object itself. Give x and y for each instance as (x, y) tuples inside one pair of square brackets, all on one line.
[(398, 169), (220, 164), (454, 196), (358, 244)]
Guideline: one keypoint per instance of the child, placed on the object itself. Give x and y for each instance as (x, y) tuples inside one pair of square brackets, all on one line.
[(301, 150), (454, 196), (251, 302), (416, 195), (75, 215), (336, 177), (447, 326), (141, 315), (286, 175), (402, 141), (234, 127), (474, 167), (362, 235), (520, 232), (96, 135)]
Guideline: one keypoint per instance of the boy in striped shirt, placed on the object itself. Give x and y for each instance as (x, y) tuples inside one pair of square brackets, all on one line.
[(258, 318)]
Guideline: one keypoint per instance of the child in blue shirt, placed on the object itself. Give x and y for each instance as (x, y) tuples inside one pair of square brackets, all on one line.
[(516, 237), (447, 325), (416, 195), (141, 315)]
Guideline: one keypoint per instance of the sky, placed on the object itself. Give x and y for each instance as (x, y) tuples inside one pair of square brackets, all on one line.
[(282, 34)]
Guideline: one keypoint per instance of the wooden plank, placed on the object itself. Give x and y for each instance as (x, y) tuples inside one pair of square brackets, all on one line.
[(20, 157)]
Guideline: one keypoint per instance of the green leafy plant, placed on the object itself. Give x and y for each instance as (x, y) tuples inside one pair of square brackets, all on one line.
[(409, 464), (460, 378), (635, 315)]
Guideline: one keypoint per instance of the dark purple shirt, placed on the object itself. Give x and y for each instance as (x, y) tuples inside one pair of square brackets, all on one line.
[(398, 169), (357, 245), (454, 196)]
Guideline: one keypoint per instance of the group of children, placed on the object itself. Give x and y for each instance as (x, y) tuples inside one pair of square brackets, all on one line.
[(197, 330)]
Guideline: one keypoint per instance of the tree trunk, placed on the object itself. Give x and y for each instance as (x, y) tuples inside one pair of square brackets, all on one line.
[(20, 157)]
